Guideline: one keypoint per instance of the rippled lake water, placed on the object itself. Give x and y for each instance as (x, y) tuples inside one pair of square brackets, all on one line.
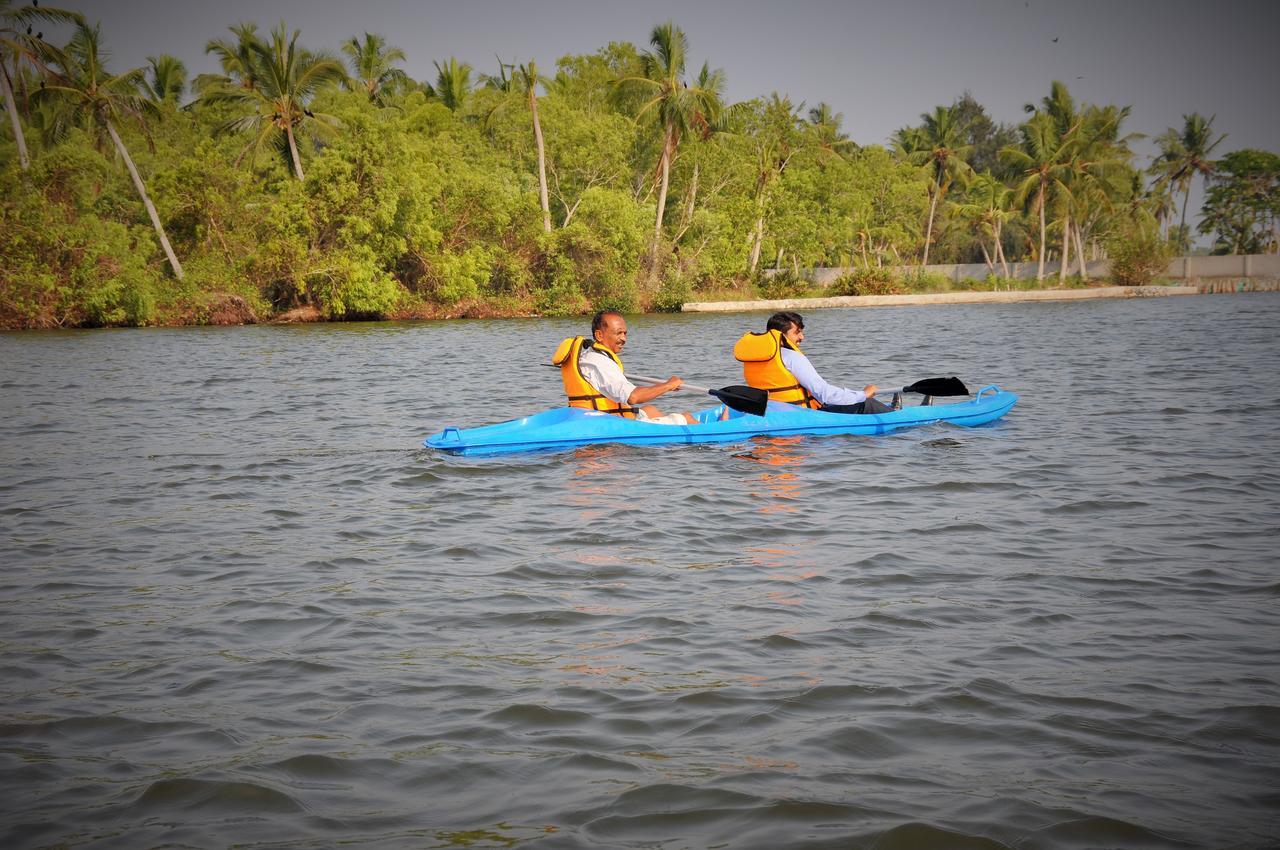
[(240, 605)]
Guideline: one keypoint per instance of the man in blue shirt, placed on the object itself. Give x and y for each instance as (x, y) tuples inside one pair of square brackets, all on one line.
[(833, 399)]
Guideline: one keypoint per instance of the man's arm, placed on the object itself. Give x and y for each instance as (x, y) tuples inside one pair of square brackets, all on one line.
[(808, 377), (642, 395)]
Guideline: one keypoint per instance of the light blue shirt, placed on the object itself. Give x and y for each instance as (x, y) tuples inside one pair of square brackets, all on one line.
[(808, 377)]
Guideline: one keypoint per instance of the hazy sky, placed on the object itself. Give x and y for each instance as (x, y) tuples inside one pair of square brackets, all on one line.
[(880, 64)]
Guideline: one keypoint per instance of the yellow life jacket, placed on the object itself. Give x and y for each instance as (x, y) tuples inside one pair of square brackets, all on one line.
[(580, 391), (762, 367)]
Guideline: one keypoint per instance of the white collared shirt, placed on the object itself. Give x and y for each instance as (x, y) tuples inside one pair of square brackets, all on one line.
[(603, 373)]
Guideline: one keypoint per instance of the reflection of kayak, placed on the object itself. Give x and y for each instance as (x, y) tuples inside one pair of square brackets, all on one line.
[(568, 426)]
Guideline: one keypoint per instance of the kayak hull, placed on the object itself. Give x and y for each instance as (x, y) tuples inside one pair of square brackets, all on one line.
[(567, 427)]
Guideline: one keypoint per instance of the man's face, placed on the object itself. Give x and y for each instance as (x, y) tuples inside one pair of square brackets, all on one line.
[(794, 334), (613, 334)]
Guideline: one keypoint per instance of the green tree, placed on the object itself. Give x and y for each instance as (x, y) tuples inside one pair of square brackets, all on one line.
[(453, 84), (523, 84), (1242, 205), (988, 208), (939, 146), (167, 79), (678, 106), (1042, 164), (983, 135), (1183, 155), (18, 45), (776, 136), (237, 58), (373, 66), (274, 84), (824, 126), (81, 88)]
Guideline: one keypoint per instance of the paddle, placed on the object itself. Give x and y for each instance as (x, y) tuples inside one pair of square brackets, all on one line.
[(936, 386), (744, 399)]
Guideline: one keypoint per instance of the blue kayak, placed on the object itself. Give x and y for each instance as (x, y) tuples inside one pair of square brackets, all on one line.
[(566, 427)]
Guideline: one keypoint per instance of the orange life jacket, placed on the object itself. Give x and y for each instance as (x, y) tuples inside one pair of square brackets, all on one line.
[(580, 391), (762, 367)]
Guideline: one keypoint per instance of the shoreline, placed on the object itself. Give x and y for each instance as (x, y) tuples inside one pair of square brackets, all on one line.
[(969, 297)]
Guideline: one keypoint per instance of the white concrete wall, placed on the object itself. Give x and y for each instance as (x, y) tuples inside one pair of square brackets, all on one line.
[(1180, 268)]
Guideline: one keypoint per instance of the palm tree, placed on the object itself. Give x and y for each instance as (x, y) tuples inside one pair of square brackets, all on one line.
[(94, 98), (989, 209), (825, 127), (940, 145), (1186, 154), (524, 82), (677, 105), (1042, 163), (528, 79), (17, 42), (1095, 175), (168, 79), (371, 65), (706, 129), (275, 81), (453, 84), (237, 58)]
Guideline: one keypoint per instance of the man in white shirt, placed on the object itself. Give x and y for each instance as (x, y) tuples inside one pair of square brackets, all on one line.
[(832, 398), (609, 329)]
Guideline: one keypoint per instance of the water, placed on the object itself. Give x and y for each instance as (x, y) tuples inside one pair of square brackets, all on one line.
[(240, 605)]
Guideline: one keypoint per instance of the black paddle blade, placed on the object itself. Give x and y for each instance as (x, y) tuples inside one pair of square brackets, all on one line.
[(746, 399), (938, 386)]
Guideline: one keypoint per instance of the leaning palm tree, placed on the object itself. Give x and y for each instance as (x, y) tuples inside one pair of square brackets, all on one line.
[(1186, 154), (82, 89), (18, 44), (940, 146), (522, 87), (167, 80), (372, 66), (284, 77), (676, 104), (1042, 161), (453, 84)]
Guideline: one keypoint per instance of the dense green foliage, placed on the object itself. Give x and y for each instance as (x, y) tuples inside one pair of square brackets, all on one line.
[(295, 183)]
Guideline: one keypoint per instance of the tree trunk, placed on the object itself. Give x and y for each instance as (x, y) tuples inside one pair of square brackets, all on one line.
[(1084, 269), (928, 232), (985, 256), (756, 242), (1040, 270), (542, 163), (146, 201), (1066, 249), (23, 159), (1004, 264), (1183, 246), (664, 166), (293, 151), (686, 215)]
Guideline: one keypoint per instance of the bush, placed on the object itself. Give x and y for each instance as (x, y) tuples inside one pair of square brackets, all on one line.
[(1137, 255), (671, 295), (866, 282), (782, 284)]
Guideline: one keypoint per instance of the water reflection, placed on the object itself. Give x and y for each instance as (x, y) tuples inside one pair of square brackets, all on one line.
[(780, 484)]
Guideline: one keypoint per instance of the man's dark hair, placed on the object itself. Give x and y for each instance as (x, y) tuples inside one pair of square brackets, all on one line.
[(784, 320), (597, 321)]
